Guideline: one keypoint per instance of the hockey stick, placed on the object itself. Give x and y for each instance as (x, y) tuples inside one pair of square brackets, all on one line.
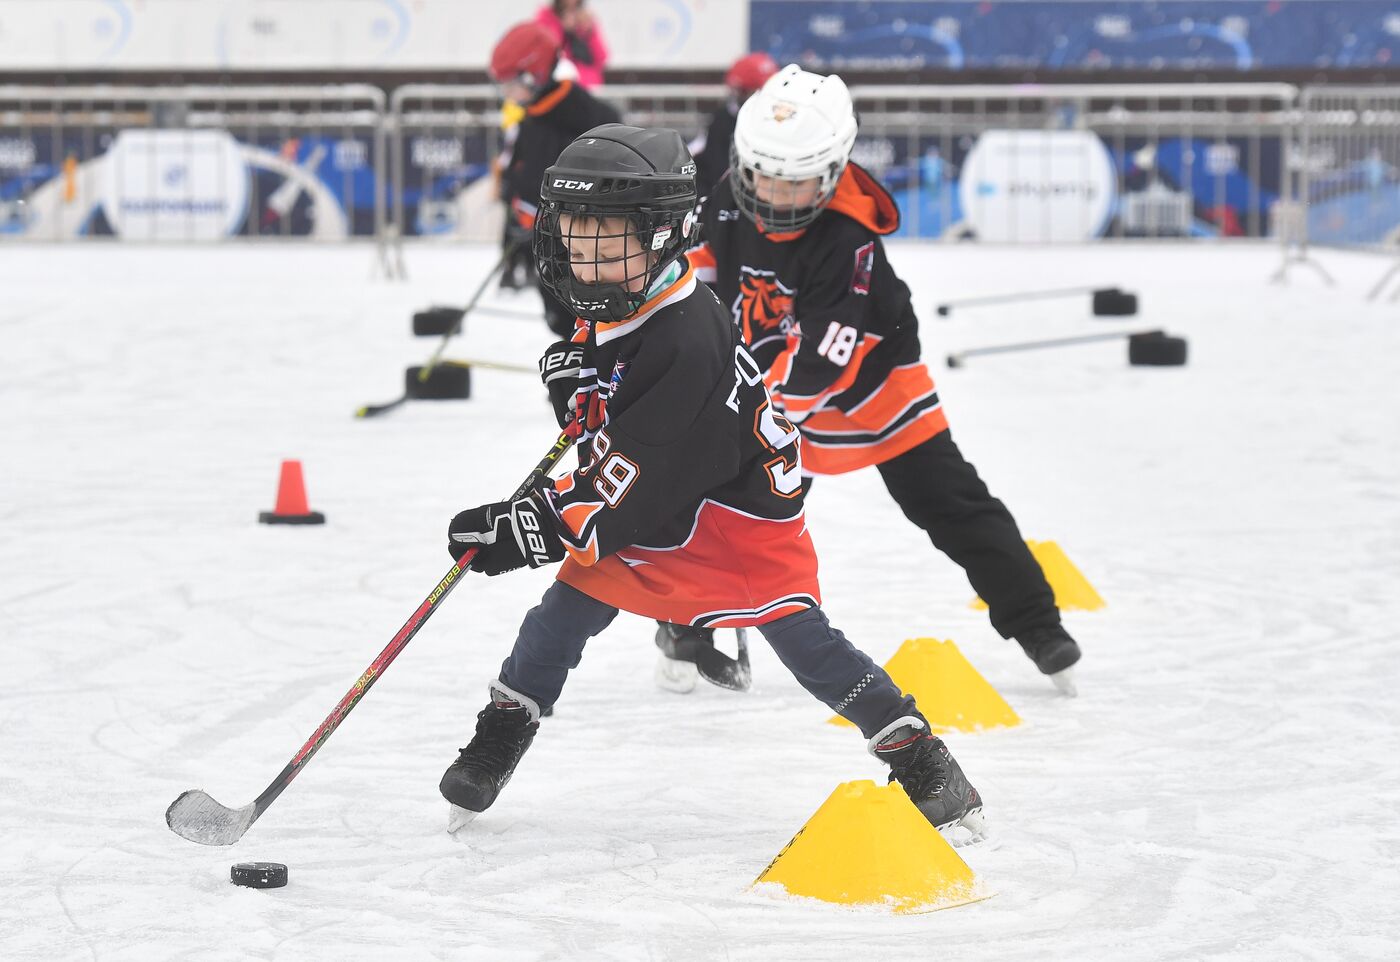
[(1107, 301), (725, 672), (195, 815), (492, 365), (372, 410), (958, 359)]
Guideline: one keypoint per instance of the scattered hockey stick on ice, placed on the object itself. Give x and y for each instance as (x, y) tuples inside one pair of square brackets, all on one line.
[(495, 366), (958, 359), (426, 371), (195, 815), (1107, 301)]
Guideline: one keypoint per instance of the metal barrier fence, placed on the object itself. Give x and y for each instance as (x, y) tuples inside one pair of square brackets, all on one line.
[(1077, 162), (192, 163), (1017, 164), (1345, 173), (445, 139)]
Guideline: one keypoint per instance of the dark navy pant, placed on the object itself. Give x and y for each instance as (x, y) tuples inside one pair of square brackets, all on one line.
[(837, 673)]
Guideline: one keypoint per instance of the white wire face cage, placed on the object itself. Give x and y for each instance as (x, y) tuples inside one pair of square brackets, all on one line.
[(769, 217)]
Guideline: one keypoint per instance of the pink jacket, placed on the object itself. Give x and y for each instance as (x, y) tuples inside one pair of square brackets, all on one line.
[(589, 74)]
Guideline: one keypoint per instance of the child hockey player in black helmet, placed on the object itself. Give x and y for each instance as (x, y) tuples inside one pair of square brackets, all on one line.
[(523, 65), (792, 248), (687, 505)]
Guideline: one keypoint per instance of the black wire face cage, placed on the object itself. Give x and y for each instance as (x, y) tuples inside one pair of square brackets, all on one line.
[(630, 248), (766, 217)]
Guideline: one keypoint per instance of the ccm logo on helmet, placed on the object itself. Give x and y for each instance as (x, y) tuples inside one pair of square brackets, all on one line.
[(573, 184)]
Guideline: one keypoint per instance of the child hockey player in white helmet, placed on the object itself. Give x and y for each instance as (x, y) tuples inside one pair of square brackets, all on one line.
[(687, 505), (792, 247)]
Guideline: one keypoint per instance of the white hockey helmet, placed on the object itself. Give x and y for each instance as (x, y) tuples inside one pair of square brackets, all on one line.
[(799, 126)]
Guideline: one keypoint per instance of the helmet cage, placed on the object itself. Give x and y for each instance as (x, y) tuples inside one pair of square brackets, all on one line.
[(767, 217), (661, 233)]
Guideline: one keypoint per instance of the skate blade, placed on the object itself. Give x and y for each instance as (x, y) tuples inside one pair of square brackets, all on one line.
[(1064, 683), (677, 676), (458, 818), (971, 829)]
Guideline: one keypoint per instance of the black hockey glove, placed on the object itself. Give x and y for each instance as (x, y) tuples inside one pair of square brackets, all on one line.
[(507, 534), (559, 370)]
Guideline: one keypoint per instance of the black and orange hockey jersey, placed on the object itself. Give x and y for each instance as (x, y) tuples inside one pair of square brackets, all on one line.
[(687, 506), (552, 121), (830, 323)]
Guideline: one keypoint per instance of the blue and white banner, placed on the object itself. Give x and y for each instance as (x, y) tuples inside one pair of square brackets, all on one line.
[(344, 34), (184, 185), (1239, 35)]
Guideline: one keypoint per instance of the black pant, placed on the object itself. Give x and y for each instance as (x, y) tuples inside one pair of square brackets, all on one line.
[(834, 671), (939, 491)]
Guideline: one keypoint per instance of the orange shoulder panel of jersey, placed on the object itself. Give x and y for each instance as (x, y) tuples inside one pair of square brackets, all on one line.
[(733, 571), (550, 100), (864, 200), (603, 327), (701, 257)]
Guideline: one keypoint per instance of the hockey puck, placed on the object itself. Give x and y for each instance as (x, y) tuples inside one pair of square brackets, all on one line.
[(258, 875)]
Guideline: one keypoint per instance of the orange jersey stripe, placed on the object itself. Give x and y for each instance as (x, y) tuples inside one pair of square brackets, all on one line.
[(822, 458), (550, 100), (904, 386)]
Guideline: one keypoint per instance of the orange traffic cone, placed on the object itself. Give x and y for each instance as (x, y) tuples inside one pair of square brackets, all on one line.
[(291, 500)]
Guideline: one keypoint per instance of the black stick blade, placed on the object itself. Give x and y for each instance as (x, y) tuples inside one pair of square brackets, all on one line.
[(719, 669), (196, 816)]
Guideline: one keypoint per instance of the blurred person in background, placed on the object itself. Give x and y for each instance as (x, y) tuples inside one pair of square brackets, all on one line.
[(579, 36), (525, 65), (745, 76)]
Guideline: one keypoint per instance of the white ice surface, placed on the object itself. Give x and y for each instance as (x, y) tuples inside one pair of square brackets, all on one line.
[(1225, 786)]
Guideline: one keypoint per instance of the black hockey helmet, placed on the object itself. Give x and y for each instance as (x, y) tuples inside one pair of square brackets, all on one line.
[(628, 192)]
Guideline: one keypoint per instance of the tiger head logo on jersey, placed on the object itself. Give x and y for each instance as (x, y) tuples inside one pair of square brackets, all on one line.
[(764, 304)]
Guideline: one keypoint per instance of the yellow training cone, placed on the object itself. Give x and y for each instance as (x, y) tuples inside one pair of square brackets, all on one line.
[(952, 695), (868, 845), (1072, 590)]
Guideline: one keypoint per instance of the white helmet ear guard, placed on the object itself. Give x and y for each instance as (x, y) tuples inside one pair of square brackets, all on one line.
[(799, 126)]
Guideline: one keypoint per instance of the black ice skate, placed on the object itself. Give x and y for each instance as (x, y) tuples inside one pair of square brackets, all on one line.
[(504, 730), (688, 654), (932, 778), (1054, 653)]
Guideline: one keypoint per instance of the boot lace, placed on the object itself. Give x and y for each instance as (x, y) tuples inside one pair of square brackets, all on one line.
[(500, 738), (921, 771)]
